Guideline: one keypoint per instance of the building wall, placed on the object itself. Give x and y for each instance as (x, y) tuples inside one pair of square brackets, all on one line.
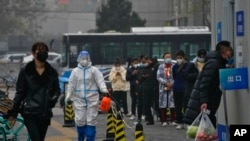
[(236, 103)]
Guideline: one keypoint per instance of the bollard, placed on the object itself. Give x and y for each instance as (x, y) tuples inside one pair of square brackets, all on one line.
[(69, 115), (110, 131), (119, 129), (139, 136)]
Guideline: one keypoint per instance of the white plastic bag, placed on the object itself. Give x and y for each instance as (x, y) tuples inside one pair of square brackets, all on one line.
[(206, 130), (193, 128)]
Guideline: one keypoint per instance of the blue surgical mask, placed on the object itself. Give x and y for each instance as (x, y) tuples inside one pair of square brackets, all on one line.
[(168, 60), (229, 62)]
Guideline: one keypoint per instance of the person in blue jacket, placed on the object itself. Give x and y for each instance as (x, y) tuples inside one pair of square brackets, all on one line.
[(179, 71)]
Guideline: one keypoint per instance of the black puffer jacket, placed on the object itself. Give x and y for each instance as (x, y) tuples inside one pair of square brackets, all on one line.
[(39, 93), (206, 88)]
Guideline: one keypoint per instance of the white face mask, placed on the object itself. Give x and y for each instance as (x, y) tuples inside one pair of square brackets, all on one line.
[(179, 61), (84, 62), (117, 68), (201, 59)]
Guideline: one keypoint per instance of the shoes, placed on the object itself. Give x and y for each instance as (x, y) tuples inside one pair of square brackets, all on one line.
[(173, 124), (186, 126), (143, 117), (180, 126), (129, 114), (132, 117), (150, 123), (164, 124)]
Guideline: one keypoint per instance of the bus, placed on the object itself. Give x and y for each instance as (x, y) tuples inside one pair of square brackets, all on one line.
[(150, 41)]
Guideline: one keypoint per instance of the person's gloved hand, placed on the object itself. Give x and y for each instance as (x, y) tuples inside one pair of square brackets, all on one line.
[(67, 98), (105, 91)]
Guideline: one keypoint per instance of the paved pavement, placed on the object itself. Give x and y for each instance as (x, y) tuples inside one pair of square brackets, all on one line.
[(156, 132)]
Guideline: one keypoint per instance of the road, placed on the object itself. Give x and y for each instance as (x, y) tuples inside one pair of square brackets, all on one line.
[(156, 132)]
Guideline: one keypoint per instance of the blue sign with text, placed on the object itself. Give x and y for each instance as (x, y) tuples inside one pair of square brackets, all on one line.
[(240, 23), (219, 35), (236, 78)]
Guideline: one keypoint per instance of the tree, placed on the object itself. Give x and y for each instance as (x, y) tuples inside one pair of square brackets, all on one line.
[(21, 17), (117, 15)]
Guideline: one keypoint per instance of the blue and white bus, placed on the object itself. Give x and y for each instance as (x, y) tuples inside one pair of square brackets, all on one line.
[(153, 42)]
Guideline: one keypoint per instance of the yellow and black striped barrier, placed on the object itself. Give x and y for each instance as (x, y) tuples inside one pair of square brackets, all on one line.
[(110, 131), (139, 136), (69, 115), (119, 129)]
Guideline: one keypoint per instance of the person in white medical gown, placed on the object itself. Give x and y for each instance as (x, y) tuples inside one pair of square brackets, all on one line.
[(84, 82)]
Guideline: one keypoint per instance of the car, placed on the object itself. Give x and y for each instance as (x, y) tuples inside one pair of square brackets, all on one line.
[(54, 58), (12, 58)]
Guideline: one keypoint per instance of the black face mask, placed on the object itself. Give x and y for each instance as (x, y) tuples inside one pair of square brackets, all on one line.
[(42, 56)]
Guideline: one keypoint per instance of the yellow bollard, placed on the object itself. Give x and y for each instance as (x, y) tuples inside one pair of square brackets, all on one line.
[(139, 136), (110, 131), (69, 115), (119, 129)]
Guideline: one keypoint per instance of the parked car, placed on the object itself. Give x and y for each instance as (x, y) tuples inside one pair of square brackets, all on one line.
[(13, 57)]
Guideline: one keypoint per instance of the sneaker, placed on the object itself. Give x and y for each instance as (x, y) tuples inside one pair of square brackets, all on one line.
[(150, 123), (179, 126), (129, 114), (132, 117), (186, 126), (164, 124), (143, 117), (173, 124)]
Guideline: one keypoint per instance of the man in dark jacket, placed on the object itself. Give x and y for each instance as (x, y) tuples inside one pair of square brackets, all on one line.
[(131, 76), (38, 89), (147, 80), (206, 93)]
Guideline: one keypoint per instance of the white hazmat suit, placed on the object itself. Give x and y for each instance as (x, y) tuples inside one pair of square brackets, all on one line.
[(84, 82)]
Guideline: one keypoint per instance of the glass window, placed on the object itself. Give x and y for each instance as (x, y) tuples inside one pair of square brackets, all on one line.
[(110, 51), (159, 48), (137, 49)]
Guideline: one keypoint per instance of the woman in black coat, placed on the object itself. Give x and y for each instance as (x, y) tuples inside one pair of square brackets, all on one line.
[(206, 93), (37, 91)]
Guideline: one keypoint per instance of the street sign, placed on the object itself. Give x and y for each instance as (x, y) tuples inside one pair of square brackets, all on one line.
[(240, 23), (218, 31), (236, 78)]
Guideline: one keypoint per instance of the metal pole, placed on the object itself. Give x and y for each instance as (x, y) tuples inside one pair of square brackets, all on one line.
[(225, 111)]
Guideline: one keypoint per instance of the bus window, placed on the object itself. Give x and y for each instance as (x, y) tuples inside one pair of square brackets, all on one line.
[(110, 51), (159, 48), (137, 49)]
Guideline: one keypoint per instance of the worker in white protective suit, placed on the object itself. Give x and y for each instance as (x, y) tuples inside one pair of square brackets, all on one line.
[(84, 82)]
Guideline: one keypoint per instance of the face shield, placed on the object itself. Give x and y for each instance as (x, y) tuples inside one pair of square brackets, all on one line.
[(83, 58)]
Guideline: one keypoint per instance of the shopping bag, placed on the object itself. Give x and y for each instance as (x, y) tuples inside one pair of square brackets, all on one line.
[(193, 128), (206, 130)]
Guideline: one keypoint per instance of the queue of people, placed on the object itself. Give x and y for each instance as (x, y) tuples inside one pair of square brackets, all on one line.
[(179, 85)]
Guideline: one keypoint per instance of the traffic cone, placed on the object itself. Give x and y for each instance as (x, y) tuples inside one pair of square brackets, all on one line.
[(69, 115), (119, 129), (110, 131), (139, 136)]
